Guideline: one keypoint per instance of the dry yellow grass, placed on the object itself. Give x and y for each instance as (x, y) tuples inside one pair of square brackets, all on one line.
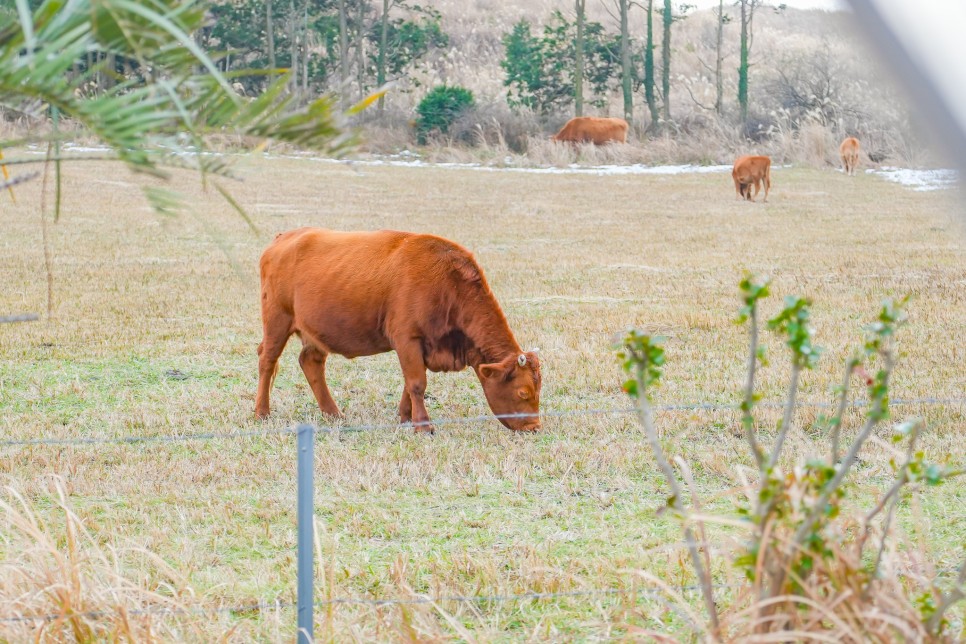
[(155, 327)]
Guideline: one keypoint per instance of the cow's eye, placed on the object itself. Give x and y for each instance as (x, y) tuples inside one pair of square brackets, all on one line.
[(524, 394)]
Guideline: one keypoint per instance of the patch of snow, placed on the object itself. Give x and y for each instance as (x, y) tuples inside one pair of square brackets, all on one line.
[(919, 180), (573, 168), (71, 147)]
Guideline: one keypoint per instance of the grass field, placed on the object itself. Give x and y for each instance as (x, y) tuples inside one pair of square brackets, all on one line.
[(154, 329)]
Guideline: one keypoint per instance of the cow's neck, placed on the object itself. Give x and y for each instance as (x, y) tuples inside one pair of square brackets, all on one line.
[(486, 328)]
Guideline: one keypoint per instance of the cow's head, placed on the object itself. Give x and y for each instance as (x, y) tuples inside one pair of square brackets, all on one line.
[(513, 387)]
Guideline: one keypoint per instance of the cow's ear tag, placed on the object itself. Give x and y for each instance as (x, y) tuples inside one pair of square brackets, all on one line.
[(522, 360)]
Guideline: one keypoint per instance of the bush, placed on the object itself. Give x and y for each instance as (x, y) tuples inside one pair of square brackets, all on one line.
[(820, 563), (495, 125), (440, 108)]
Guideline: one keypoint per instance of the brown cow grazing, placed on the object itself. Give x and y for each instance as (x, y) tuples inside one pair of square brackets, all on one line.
[(592, 129), (751, 170), (363, 293), (849, 152)]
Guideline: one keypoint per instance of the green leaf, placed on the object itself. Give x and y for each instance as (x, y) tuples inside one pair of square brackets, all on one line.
[(630, 388)]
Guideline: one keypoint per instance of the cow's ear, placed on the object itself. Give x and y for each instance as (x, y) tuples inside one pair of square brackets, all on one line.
[(492, 370)]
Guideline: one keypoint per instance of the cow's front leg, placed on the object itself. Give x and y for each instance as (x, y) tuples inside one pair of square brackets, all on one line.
[(414, 374)]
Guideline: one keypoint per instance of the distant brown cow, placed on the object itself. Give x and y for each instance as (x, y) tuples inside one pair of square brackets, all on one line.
[(849, 152), (363, 293), (748, 171), (593, 129)]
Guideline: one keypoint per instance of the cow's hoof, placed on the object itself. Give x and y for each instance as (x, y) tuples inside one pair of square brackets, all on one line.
[(424, 428)]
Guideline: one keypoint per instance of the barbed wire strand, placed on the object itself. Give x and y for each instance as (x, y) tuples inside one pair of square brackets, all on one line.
[(422, 599), (336, 429), (445, 421), (365, 601)]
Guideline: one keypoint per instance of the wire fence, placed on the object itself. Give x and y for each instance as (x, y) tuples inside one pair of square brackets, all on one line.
[(363, 601), (467, 420), (278, 604), (420, 599)]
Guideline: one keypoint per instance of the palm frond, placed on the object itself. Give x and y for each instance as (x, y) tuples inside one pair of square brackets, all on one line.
[(161, 113)]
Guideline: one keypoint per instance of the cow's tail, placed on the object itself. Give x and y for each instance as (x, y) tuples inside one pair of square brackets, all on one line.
[(768, 177)]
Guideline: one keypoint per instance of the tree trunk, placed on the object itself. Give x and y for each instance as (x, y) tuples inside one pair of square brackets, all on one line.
[(110, 68), (649, 66), (718, 77), (666, 60), (293, 35), (343, 56), (626, 62), (361, 48), (746, 11), (579, 60), (305, 49), (270, 33), (381, 63)]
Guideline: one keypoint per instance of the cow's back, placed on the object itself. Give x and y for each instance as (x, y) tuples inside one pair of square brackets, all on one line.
[(593, 129), (345, 290), (849, 146), (849, 150), (302, 261), (750, 167)]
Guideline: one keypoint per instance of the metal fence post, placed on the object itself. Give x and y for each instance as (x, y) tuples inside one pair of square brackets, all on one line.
[(306, 531)]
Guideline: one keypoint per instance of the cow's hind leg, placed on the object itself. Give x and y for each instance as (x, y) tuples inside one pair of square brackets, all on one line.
[(405, 407), (275, 335), (312, 361), (414, 374)]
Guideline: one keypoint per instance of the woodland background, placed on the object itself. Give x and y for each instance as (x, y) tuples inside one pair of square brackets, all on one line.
[(696, 85)]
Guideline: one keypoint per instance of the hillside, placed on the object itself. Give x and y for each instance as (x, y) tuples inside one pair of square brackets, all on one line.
[(811, 80)]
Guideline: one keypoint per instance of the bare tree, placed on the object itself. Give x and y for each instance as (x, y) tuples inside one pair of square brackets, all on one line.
[(719, 56), (343, 54), (270, 33), (579, 7), (294, 27), (383, 45), (360, 42), (747, 15), (811, 86), (649, 65), (626, 69), (668, 17)]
